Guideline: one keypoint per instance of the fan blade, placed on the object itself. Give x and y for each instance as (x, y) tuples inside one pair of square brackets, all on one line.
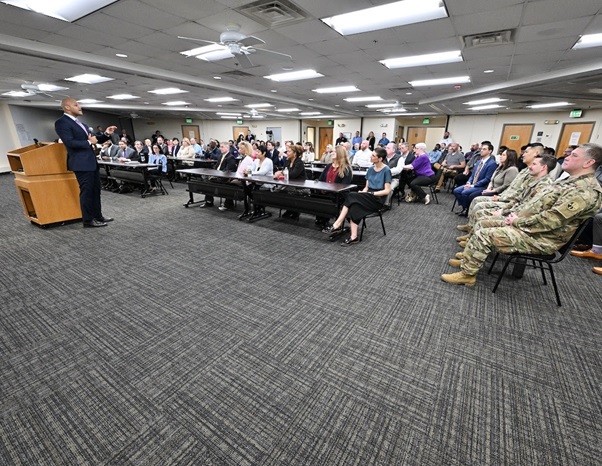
[(250, 41), (244, 61), (284, 55), (198, 40)]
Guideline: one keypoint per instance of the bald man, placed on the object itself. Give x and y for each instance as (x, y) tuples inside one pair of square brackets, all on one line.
[(82, 161)]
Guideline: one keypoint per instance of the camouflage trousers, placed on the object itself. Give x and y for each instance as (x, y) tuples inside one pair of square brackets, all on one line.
[(494, 234), (482, 207)]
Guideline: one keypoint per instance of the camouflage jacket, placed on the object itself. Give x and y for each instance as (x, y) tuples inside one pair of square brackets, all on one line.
[(556, 211)]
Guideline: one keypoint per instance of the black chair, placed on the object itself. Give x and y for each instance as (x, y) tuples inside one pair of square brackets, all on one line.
[(433, 186), (540, 261), (378, 214)]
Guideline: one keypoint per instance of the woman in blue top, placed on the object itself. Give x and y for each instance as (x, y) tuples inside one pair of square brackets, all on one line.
[(367, 201)]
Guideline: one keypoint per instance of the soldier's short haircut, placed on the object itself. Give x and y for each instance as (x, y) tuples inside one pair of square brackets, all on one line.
[(549, 161), (538, 150), (593, 151)]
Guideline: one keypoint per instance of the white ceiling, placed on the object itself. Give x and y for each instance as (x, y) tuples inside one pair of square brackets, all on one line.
[(537, 67)]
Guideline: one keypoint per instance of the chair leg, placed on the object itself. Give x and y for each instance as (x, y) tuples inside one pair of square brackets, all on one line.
[(382, 223), (543, 272), (554, 285), (497, 254), (362, 230), (454, 205), (499, 279)]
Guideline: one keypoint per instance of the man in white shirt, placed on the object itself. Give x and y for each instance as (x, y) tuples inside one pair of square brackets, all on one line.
[(362, 156), (447, 140)]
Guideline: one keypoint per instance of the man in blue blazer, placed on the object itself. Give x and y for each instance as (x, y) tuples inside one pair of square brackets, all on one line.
[(82, 161), (479, 179)]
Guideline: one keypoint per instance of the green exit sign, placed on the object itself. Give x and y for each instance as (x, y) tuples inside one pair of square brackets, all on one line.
[(239, 122), (188, 120), (514, 138), (576, 113), (426, 121), (330, 122)]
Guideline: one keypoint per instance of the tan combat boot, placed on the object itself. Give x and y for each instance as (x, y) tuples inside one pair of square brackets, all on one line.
[(459, 278)]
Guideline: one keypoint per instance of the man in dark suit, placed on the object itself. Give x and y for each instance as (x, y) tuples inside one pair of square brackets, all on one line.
[(109, 151), (82, 160), (124, 153), (226, 163), (273, 154), (141, 153)]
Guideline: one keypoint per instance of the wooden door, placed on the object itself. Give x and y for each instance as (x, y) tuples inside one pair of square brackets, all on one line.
[(399, 133), (191, 131), (416, 135), (573, 134), (236, 130), (516, 136), (325, 139)]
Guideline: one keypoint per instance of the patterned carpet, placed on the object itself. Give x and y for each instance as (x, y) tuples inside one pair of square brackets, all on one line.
[(181, 336)]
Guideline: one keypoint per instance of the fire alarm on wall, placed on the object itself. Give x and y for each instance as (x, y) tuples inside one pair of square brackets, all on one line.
[(457, 86)]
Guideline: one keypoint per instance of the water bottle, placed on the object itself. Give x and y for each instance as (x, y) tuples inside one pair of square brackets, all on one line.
[(285, 173)]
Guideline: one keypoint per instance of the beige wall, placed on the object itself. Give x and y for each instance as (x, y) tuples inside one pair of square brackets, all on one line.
[(9, 139), (467, 129)]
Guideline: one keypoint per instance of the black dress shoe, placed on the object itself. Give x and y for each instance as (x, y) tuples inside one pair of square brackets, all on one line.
[(206, 204), (105, 219), (94, 223)]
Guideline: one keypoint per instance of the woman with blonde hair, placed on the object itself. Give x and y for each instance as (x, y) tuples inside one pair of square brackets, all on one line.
[(186, 151), (339, 171), (245, 150)]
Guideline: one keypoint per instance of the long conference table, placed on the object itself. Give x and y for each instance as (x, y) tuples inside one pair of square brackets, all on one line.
[(308, 196), (134, 173)]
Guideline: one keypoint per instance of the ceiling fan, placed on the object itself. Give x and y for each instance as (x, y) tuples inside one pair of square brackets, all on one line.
[(232, 43)]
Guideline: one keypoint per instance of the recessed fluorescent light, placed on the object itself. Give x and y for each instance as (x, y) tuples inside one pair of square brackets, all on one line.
[(488, 71), (17, 94), (230, 117), (89, 79), (381, 105), (167, 91), (294, 76), (89, 101), (176, 102), (486, 107), (122, 97), (258, 105), (220, 99), (440, 81), (206, 49), (217, 77), (336, 90), (310, 113), (588, 40), (387, 16), (121, 55), (553, 104), (491, 100), (423, 60), (258, 116), (66, 10), (288, 110), (363, 99), (228, 114)]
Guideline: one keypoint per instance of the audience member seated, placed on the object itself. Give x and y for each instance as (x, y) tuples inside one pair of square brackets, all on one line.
[(552, 218), (406, 157), (159, 158), (227, 163), (213, 152), (245, 150), (197, 148), (124, 153), (309, 154), (423, 175), (435, 154), (273, 154), (384, 140), (479, 179), (371, 199), (395, 163), (186, 151), (295, 168), (503, 175), (140, 153), (521, 188), (339, 171), (453, 164), (109, 151), (363, 157), (328, 155)]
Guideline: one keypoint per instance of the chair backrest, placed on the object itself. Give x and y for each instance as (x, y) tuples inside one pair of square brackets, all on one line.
[(564, 250)]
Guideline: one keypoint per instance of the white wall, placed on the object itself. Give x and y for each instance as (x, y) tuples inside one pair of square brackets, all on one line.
[(379, 126), (217, 129), (477, 128), (9, 139)]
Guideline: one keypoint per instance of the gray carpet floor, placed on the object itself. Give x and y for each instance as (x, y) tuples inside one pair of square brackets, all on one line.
[(180, 336)]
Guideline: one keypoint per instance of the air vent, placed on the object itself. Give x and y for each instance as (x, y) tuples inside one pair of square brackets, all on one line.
[(489, 38), (237, 73), (273, 14)]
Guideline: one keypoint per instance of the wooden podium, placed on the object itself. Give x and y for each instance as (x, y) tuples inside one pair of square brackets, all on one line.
[(49, 192)]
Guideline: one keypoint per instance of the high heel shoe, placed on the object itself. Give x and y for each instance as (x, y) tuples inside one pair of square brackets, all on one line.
[(332, 229)]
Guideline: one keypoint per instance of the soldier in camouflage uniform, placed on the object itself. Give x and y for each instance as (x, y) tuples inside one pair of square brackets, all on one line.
[(516, 192), (549, 219)]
